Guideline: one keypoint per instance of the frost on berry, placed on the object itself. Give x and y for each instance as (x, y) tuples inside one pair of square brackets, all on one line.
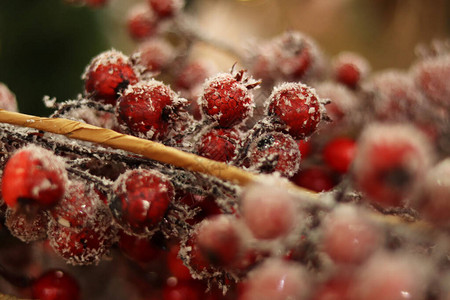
[(395, 96), (298, 107), (7, 99), (268, 211), (434, 204), (166, 8), (392, 276), (348, 236), (141, 199), (33, 176), (108, 74), (275, 152), (226, 99), (276, 279), (84, 246), (148, 109), (219, 144), (431, 76), (152, 56), (391, 162), (142, 22), (350, 68), (26, 227)]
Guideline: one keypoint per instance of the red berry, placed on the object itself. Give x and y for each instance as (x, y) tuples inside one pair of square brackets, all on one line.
[(56, 285), (107, 75), (431, 76), (78, 206), (390, 163), (315, 179), (176, 265), (7, 99), (218, 240), (305, 148), (339, 153), (166, 8), (26, 227), (141, 200), (183, 290), (276, 280), (33, 175), (206, 206), (226, 99), (147, 108), (219, 144), (336, 288), (275, 152), (348, 236), (298, 107), (141, 22), (83, 246), (153, 56), (139, 249), (193, 74), (350, 68), (268, 211)]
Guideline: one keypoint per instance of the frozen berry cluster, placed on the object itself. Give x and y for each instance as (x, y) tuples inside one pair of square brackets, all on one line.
[(352, 199)]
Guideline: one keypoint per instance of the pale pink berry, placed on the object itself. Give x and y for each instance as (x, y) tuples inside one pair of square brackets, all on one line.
[(7, 98)]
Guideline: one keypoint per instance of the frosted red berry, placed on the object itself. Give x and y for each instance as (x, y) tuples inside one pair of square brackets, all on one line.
[(193, 74), (226, 99), (390, 163), (350, 69), (219, 144), (147, 109), (268, 211), (107, 75), (26, 227), (339, 153), (275, 152), (56, 284), (141, 199), (166, 8), (34, 176), (153, 55), (142, 22), (7, 98), (298, 107)]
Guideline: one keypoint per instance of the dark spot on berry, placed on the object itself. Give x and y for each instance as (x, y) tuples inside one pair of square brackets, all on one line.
[(265, 142), (121, 86), (397, 177)]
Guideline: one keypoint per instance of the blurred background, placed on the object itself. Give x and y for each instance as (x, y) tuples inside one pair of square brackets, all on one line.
[(45, 45)]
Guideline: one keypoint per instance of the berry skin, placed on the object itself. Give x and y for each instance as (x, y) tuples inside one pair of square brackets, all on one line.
[(350, 68), (7, 99), (139, 249), (107, 75), (275, 152), (33, 176), (268, 211), (315, 178), (166, 8), (226, 99), (305, 148), (141, 22), (219, 144), (55, 285), (298, 107), (391, 162), (141, 199), (146, 109), (176, 265), (339, 154)]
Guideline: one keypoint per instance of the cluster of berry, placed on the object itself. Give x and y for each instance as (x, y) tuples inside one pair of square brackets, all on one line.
[(373, 145)]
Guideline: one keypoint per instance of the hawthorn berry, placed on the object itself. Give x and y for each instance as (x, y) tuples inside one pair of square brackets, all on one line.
[(142, 22), (219, 144), (350, 69), (226, 99), (26, 227), (33, 176), (107, 75), (298, 107), (148, 109), (339, 153), (7, 98), (391, 162), (56, 284), (141, 199), (153, 55), (166, 8), (275, 152), (193, 74)]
